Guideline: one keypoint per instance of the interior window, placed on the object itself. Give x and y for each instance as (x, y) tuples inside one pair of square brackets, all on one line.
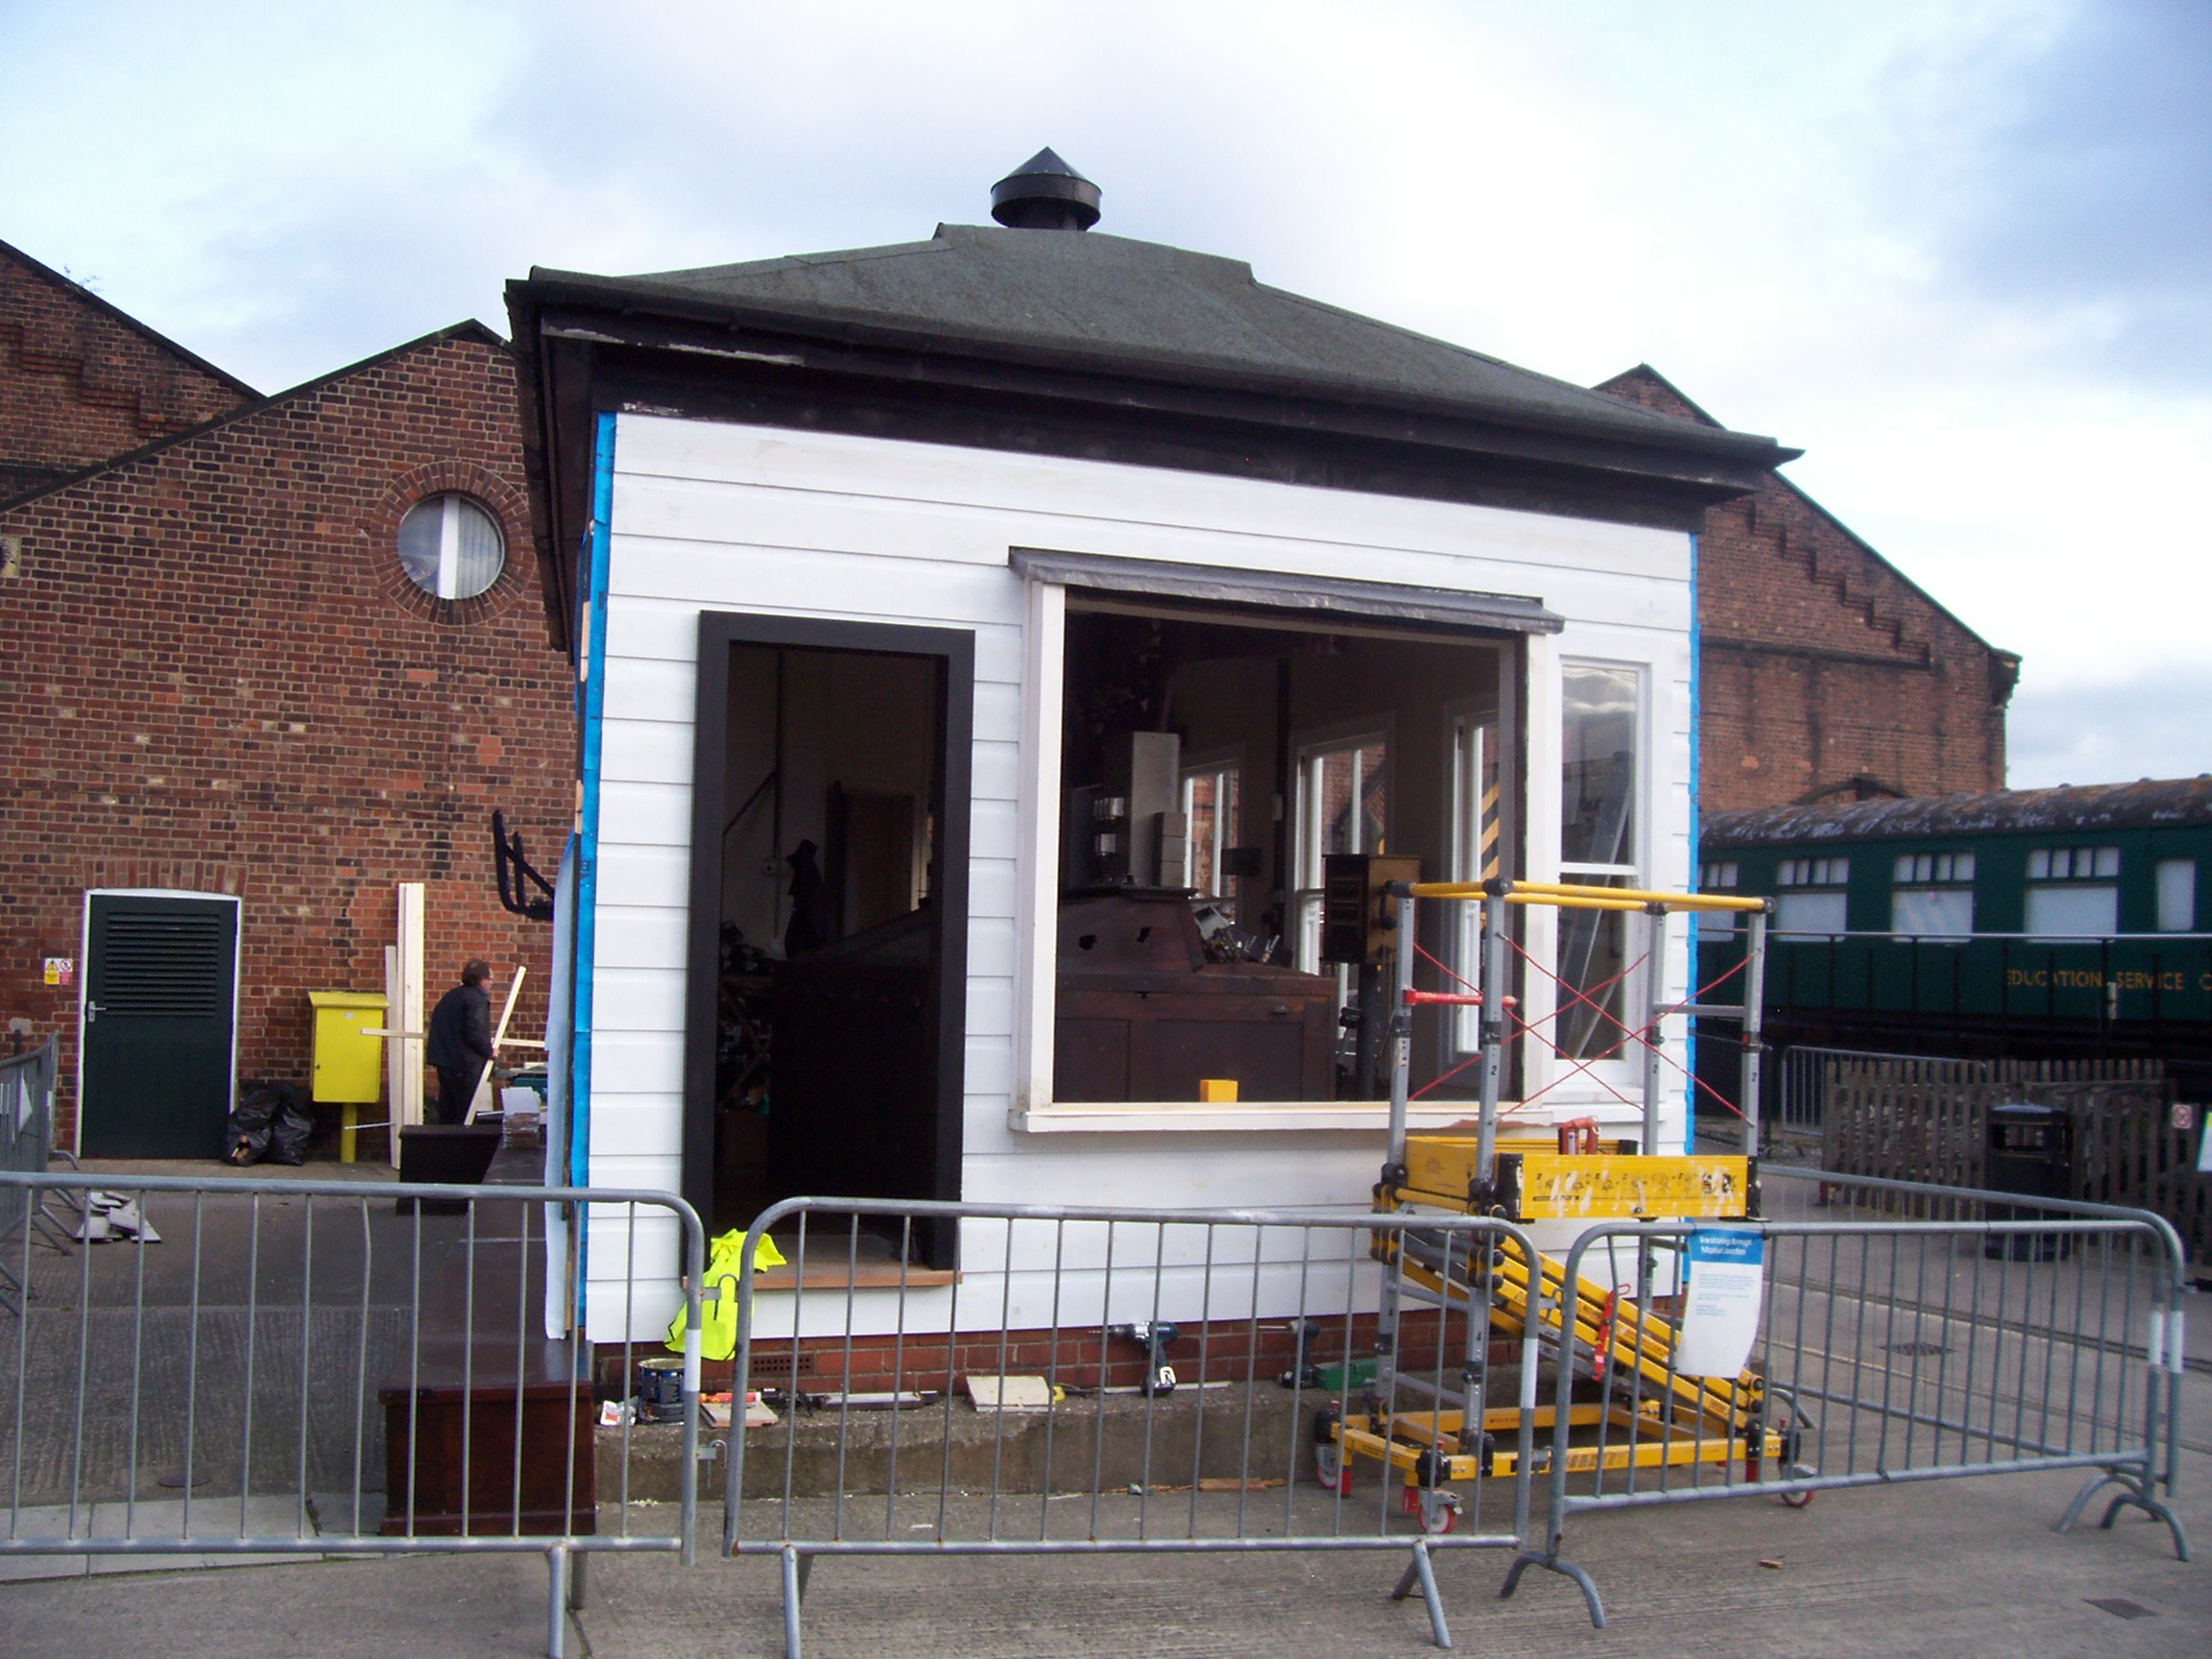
[(1212, 806), (1599, 769), (1476, 844), (1344, 804)]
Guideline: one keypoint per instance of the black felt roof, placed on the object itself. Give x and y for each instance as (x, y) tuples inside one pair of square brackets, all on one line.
[(1087, 300), (2087, 807)]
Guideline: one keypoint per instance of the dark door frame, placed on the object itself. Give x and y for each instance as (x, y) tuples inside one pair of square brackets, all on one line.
[(85, 981), (955, 647)]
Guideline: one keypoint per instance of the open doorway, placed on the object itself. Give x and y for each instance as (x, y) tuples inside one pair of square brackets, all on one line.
[(826, 1004)]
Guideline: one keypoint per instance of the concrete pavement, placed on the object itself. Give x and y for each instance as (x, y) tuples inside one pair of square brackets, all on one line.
[(1969, 1569)]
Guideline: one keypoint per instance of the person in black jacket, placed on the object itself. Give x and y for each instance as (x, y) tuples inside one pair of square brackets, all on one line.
[(460, 1041)]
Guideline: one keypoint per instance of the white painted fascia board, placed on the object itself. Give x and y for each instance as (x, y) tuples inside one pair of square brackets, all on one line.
[(1182, 1117)]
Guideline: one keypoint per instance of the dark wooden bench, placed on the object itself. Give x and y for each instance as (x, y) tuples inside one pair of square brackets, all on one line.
[(492, 1431)]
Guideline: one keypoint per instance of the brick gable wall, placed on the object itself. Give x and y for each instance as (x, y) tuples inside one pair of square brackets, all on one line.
[(221, 681), (1820, 667), (80, 384)]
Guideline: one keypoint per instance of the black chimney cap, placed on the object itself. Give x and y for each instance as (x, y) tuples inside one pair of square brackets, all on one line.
[(1044, 194)]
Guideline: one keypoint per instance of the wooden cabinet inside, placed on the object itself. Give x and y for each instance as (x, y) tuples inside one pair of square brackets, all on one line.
[(1141, 1015)]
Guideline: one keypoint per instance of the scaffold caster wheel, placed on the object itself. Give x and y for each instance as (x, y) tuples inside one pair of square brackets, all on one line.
[(1331, 1469), (1438, 1510), (1794, 1500)]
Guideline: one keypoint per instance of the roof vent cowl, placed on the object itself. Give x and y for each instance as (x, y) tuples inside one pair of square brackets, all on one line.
[(1044, 194)]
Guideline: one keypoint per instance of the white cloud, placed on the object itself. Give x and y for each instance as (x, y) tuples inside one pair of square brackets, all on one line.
[(1922, 239)]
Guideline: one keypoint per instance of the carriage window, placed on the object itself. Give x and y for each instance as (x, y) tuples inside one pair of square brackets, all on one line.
[(1934, 896), (2074, 910), (1932, 912), (1819, 911), (2071, 893), (2177, 895), (1716, 877), (2073, 863)]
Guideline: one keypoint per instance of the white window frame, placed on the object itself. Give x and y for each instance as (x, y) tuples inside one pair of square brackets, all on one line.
[(1475, 816), (1623, 1070), (1309, 833), (1216, 766), (452, 505), (1527, 693)]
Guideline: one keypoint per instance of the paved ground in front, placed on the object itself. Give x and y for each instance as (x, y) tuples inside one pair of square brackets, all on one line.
[(1966, 1569)]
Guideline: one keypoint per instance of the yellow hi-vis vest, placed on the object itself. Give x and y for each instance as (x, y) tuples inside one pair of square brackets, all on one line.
[(718, 1296)]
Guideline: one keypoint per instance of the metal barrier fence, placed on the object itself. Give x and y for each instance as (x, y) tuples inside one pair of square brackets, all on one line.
[(26, 1145), (1185, 1371), (325, 1368), (1928, 1334)]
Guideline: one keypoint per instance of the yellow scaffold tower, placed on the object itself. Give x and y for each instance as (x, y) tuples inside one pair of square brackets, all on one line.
[(1638, 1410)]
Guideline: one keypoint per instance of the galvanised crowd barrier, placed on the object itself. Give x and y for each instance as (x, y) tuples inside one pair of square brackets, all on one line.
[(327, 1368), (26, 1145), (1115, 1380), (1913, 1332)]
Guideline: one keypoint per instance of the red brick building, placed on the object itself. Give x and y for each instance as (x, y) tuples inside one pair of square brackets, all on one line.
[(81, 382), (1822, 669), (231, 671)]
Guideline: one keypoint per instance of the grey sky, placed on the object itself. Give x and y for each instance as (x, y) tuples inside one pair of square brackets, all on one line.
[(1959, 251)]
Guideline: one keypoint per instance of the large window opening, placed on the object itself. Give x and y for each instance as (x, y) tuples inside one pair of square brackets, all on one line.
[(828, 916), (1212, 759)]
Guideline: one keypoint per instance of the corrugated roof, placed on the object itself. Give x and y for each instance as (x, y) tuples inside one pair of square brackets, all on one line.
[(1118, 305), (2148, 804)]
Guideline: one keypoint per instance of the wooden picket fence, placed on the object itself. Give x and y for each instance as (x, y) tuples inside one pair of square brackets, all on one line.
[(1915, 1120)]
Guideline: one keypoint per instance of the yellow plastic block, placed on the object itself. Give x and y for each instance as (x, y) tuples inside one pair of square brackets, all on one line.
[(1222, 1090)]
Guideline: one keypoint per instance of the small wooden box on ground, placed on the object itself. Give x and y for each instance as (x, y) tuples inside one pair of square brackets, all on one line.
[(507, 1482)]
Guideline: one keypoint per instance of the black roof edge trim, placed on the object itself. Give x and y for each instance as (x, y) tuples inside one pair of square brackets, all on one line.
[(1317, 595), (627, 296)]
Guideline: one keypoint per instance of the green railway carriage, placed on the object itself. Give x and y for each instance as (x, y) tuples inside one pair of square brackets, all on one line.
[(2033, 923)]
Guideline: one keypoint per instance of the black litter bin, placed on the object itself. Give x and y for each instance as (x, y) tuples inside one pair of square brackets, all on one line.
[(457, 1153), (2031, 1152)]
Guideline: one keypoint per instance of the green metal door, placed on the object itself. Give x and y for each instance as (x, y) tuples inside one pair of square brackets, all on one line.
[(161, 977)]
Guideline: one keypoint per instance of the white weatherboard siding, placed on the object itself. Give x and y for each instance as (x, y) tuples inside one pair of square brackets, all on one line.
[(711, 516)]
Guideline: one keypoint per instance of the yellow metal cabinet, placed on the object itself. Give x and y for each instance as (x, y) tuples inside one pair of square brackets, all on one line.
[(349, 1064)]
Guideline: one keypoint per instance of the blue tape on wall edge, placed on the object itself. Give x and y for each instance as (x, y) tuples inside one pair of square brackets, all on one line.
[(1697, 742), (587, 829)]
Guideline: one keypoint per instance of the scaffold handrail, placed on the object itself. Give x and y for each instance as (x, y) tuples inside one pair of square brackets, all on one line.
[(1579, 893)]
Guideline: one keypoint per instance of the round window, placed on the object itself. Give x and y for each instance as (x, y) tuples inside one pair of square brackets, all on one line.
[(450, 547)]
